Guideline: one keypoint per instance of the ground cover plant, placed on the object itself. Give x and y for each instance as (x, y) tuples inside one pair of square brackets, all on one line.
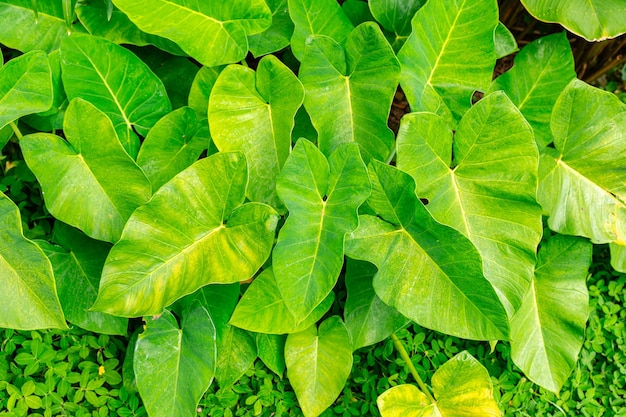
[(228, 175)]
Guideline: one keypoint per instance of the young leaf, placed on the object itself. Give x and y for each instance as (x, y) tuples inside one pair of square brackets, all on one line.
[(367, 318), (30, 299), (449, 55), (278, 35), (395, 16), (318, 364), (542, 70), (322, 197), (214, 32), (504, 41), (349, 91), (77, 266), (581, 183), (547, 331), (487, 191), (422, 263), (25, 86), (317, 17), (193, 232), (88, 181), (115, 81), (174, 143), (254, 113), (236, 352), (175, 365)]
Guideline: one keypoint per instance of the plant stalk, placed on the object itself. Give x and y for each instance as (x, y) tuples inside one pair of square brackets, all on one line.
[(405, 356), (16, 130)]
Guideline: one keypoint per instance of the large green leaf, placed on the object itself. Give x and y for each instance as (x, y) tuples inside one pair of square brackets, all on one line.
[(449, 55), (77, 265), (236, 352), (462, 388), (322, 197), (254, 113), (581, 184), (24, 29), (117, 82), (118, 28), (317, 17), (367, 318), (174, 143), (318, 364), (262, 309), (25, 86), (193, 232), (618, 257), (88, 181), (548, 330), (542, 70), (395, 16), (427, 271), (278, 35), (483, 184), (213, 32), (175, 364), (30, 299), (349, 91), (594, 20)]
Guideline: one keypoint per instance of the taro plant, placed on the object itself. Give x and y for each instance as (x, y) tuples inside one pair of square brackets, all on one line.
[(225, 171)]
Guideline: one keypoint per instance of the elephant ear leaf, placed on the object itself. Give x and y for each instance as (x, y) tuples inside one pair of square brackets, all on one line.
[(547, 333), (193, 232), (25, 87), (30, 299)]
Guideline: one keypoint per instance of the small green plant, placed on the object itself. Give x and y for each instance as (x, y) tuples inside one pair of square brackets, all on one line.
[(230, 177)]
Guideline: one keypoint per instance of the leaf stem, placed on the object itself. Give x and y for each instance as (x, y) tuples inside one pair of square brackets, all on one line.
[(16, 130), (405, 356)]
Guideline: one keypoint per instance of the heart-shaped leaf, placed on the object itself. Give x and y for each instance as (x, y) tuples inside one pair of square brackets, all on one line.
[(542, 70), (254, 113), (25, 86), (439, 266), (322, 197), (546, 333), (88, 181), (115, 81), (442, 65), (318, 364), (174, 365), (487, 191), (349, 91), (193, 232), (214, 32), (581, 183)]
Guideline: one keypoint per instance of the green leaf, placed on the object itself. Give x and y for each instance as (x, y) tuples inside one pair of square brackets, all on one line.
[(487, 191), (175, 364), (236, 353), (214, 32), (317, 17), (30, 299), (115, 81), (322, 197), (358, 11), (439, 266), (581, 183), (262, 308), (618, 257), (88, 181), (77, 265), (254, 113), (547, 332), (174, 143), (367, 318), (25, 29), (594, 20), (25, 87), (449, 55), (504, 41), (272, 351), (318, 364), (395, 16), (542, 70), (405, 400), (201, 88), (349, 91), (118, 28), (193, 232), (278, 35)]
